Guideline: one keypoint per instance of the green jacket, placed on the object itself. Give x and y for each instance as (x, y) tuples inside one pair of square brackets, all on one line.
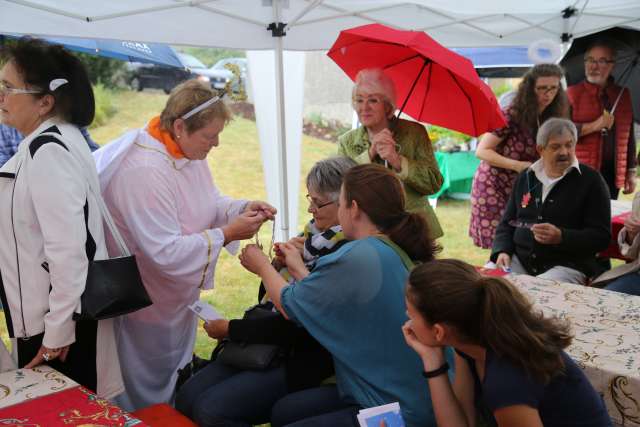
[(419, 175)]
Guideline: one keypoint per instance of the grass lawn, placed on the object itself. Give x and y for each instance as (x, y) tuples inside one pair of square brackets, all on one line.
[(237, 169)]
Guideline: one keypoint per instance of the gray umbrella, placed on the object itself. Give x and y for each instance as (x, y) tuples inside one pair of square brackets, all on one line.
[(627, 70)]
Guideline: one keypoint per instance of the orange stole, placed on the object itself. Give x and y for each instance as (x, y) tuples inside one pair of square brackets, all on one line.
[(154, 129)]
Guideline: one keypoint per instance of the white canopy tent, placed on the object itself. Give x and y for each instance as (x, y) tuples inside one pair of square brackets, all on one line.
[(299, 25)]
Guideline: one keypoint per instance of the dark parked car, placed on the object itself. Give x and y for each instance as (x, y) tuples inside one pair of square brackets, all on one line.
[(166, 78)]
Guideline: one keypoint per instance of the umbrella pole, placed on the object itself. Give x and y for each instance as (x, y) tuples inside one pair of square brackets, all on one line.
[(394, 123), (415, 82), (625, 76)]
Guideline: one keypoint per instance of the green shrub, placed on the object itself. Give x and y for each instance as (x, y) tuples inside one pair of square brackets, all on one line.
[(317, 119), (502, 89), (209, 56), (437, 133), (104, 105), (107, 71)]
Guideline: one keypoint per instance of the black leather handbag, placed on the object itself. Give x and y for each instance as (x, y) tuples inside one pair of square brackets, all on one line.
[(250, 356), (113, 286)]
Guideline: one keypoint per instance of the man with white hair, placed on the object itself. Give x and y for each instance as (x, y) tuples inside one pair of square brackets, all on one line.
[(607, 142), (558, 216)]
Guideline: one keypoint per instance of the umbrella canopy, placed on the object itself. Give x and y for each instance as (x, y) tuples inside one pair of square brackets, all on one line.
[(125, 50), (627, 69), (433, 84)]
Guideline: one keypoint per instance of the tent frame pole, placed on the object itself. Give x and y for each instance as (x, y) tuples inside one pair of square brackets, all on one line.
[(277, 29)]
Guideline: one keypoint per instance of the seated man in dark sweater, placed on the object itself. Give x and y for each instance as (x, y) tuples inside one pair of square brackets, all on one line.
[(558, 216)]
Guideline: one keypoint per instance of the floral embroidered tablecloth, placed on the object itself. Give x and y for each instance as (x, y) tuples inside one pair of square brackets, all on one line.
[(606, 326), (25, 384), (44, 397)]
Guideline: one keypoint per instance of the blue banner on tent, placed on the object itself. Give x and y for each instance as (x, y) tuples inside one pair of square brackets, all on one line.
[(125, 50)]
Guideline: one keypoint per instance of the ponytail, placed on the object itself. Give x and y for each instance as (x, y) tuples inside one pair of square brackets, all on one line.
[(379, 193), (489, 312), (411, 234), (514, 330)]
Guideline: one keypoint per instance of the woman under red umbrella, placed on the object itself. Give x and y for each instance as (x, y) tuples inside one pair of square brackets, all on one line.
[(508, 151), (401, 144)]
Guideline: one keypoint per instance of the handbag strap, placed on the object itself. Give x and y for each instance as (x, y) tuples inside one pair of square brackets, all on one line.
[(408, 263), (104, 211)]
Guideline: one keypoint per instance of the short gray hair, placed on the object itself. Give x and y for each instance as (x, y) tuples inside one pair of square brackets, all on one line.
[(555, 127), (325, 177)]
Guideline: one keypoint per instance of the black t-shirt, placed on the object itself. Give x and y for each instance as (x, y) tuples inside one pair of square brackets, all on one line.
[(567, 400)]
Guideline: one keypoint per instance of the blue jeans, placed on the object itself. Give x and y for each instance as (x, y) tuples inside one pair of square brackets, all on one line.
[(314, 407), (220, 395), (628, 284)]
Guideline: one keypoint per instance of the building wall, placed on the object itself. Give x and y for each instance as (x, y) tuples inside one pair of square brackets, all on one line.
[(327, 89)]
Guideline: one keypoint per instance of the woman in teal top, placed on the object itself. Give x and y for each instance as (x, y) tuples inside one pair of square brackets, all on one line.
[(401, 144), (353, 304)]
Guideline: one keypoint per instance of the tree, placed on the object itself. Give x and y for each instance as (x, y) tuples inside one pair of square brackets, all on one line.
[(108, 71)]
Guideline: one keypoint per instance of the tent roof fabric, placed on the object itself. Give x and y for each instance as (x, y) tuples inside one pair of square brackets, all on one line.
[(314, 24)]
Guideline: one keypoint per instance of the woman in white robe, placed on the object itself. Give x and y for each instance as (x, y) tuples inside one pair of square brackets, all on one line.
[(157, 184)]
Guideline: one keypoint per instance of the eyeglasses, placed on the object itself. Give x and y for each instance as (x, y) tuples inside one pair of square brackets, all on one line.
[(547, 89), (314, 205), (601, 61), (273, 237), (371, 100), (6, 90)]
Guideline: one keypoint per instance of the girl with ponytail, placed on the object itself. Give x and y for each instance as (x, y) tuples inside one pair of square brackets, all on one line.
[(510, 364), (352, 302)]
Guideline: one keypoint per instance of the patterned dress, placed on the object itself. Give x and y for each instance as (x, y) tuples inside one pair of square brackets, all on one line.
[(492, 185)]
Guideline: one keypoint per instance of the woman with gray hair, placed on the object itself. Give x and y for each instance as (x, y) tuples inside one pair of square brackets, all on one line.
[(225, 395), (403, 145)]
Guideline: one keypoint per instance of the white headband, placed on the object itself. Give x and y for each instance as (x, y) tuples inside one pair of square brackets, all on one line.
[(200, 107), (56, 83)]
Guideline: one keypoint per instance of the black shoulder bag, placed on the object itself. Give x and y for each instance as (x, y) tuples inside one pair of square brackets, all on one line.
[(250, 356), (114, 286)]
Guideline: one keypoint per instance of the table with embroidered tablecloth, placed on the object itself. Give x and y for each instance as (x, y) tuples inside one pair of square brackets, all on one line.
[(606, 326), (43, 396)]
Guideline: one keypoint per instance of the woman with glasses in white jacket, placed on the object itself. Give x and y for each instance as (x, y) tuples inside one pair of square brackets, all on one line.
[(50, 223)]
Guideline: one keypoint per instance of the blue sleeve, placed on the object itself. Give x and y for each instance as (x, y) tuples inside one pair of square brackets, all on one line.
[(334, 289), (507, 385), (9, 140), (90, 142)]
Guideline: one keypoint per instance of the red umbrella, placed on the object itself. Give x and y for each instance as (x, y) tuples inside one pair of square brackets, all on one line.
[(433, 84)]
